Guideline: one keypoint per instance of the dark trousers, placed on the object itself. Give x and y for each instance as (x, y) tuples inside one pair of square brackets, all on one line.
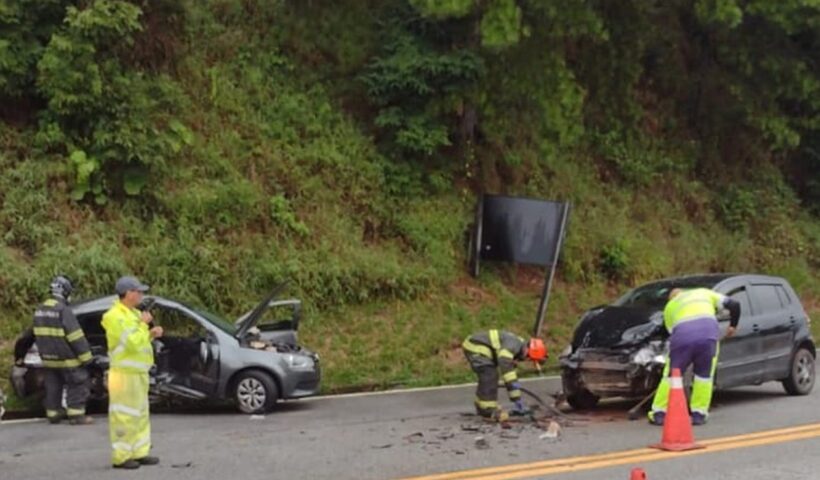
[(75, 382), (486, 401)]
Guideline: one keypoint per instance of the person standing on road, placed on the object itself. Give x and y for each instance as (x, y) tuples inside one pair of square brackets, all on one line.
[(129, 349), (497, 350), (690, 318), (65, 352)]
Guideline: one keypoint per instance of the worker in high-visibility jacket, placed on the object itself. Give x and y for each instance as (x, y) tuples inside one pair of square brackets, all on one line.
[(131, 357), (690, 317), (495, 351), (65, 353)]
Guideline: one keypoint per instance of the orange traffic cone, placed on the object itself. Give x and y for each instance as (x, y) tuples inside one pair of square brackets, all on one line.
[(677, 427), (637, 474)]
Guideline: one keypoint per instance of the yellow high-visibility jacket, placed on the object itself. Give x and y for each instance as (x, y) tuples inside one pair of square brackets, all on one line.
[(129, 343)]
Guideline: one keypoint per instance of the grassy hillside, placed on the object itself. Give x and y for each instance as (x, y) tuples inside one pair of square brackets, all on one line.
[(215, 148)]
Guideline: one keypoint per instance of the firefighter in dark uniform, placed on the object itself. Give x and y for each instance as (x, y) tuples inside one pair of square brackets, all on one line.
[(497, 351), (65, 353)]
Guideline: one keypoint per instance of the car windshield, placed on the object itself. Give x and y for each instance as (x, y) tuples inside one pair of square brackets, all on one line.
[(218, 321), (654, 295)]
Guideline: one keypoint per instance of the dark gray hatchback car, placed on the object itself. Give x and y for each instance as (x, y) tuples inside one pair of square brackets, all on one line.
[(254, 361), (619, 350)]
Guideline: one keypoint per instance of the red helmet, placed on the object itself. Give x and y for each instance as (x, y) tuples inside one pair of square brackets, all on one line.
[(536, 350)]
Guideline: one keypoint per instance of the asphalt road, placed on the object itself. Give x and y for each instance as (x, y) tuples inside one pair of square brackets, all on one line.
[(409, 434)]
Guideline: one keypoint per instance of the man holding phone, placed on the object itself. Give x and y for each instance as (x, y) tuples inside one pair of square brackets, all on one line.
[(129, 338)]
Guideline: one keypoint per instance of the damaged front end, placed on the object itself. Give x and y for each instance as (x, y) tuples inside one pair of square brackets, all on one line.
[(616, 352)]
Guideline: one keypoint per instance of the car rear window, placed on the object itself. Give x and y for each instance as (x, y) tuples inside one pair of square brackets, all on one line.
[(767, 298)]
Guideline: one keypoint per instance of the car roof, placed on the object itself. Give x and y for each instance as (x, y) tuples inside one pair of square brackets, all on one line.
[(712, 280), (101, 304), (93, 304)]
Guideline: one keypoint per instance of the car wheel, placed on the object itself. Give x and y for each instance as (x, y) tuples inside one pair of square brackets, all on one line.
[(255, 392), (578, 397), (583, 400), (801, 377)]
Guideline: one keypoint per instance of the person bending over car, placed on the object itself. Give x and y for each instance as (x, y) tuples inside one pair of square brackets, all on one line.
[(690, 317)]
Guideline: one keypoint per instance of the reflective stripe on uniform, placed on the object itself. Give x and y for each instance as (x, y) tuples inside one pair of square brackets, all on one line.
[(125, 409), (683, 320), (495, 340), (482, 350), (48, 332), (127, 447), (504, 353), (74, 336), (514, 394), (84, 357), (485, 404), (75, 412), (510, 376), (132, 364), (122, 341), (142, 442), (70, 363)]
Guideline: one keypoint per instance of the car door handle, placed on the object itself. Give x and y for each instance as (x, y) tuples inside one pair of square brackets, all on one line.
[(755, 328)]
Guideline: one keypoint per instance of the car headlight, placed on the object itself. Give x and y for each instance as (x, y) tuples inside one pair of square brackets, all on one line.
[(647, 355), (644, 356), (299, 362)]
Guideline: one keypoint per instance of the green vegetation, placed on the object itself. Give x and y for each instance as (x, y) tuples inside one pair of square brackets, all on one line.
[(216, 147)]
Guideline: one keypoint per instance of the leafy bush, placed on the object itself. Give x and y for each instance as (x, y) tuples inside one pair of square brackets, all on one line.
[(615, 262)]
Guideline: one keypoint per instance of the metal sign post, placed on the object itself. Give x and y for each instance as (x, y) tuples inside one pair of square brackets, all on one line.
[(475, 251), (545, 295)]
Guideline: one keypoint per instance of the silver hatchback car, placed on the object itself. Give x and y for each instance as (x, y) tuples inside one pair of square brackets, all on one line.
[(254, 361)]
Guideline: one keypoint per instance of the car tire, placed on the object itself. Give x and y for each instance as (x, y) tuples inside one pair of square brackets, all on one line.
[(583, 400), (578, 397), (802, 373), (255, 392)]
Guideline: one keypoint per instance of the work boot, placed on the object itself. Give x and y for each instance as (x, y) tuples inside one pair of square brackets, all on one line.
[(80, 420), (128, 465), (657, 418), (55, 416), (500, 416), (698, 418), (149, 460)]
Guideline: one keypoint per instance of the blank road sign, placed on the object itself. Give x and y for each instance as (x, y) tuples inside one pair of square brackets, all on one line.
[(520, 230)]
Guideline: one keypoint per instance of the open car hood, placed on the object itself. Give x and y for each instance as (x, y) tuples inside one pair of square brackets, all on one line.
[(611, 326), (250, 319)]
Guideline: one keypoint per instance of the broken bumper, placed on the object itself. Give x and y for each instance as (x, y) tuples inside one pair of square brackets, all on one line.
[(607, 372)]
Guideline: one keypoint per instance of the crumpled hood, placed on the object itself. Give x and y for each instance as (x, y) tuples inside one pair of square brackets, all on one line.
[(612, 326)]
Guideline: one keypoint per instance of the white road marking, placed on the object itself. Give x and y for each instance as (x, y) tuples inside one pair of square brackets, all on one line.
[(413, 390)]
